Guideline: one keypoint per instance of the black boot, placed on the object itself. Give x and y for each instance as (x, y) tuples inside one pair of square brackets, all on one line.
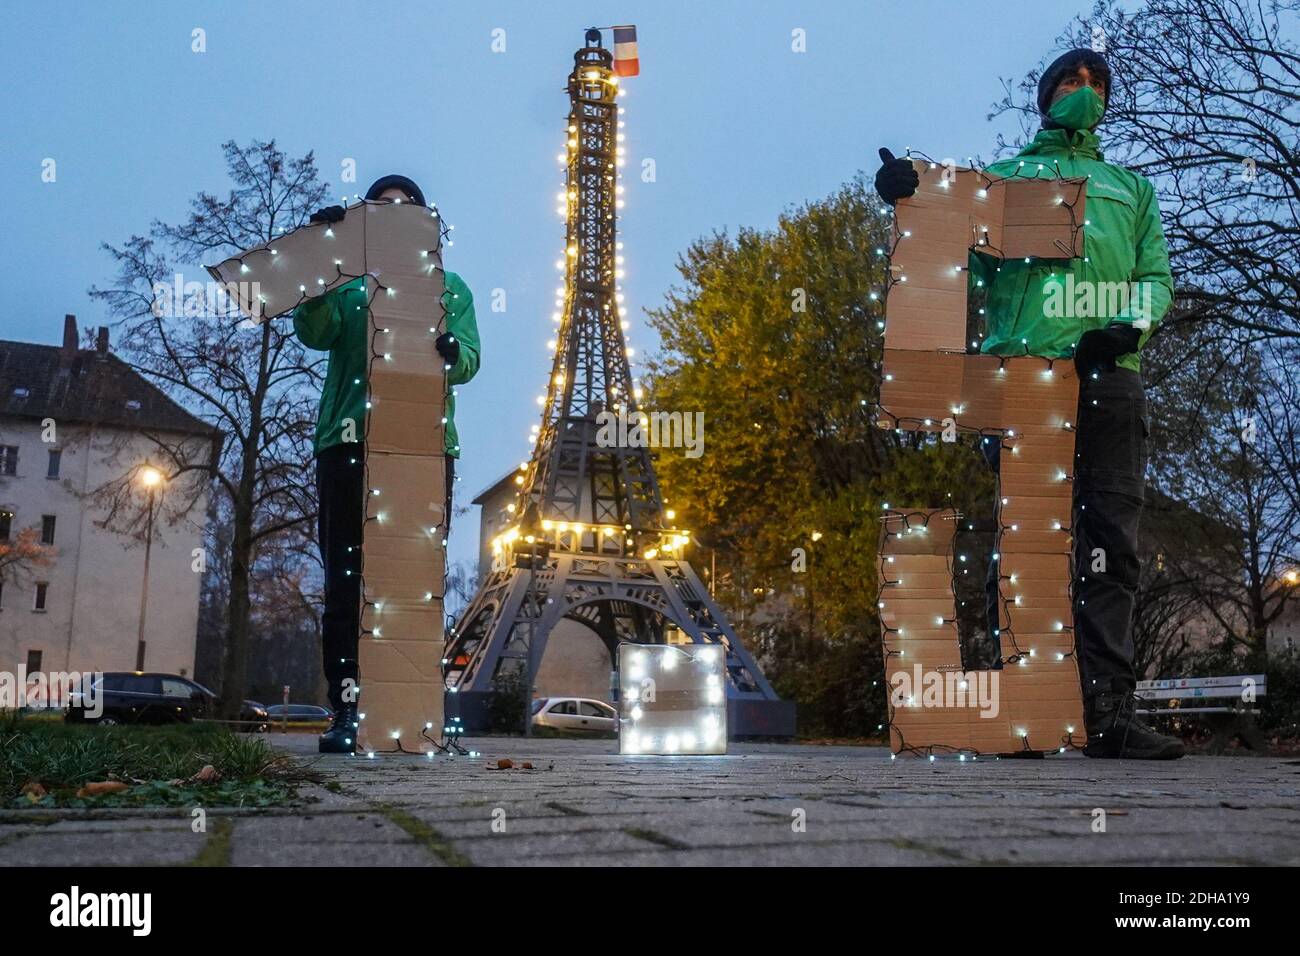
[(341, 737), (1115, 730)]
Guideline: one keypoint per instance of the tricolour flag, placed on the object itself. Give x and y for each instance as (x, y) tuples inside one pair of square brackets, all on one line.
[(625, 59)]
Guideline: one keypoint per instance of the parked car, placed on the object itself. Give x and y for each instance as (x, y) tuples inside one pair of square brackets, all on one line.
[(575, 714), (298, 713), (253, 717), (134, 697)]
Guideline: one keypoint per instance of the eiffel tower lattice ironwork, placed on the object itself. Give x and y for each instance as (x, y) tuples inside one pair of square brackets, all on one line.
[(593, 541)]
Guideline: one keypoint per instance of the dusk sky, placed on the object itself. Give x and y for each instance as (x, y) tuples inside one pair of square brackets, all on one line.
[(739, 126)]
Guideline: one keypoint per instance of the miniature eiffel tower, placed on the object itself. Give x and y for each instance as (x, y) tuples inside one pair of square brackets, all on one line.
[(593, 541)]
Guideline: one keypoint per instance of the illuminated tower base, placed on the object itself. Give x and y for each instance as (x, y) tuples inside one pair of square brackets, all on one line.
[(593, 542)]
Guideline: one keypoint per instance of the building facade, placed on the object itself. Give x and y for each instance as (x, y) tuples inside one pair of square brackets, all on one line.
[(82, 480)]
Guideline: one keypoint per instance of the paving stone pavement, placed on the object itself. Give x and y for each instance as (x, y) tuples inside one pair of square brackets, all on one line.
[(762, 804)]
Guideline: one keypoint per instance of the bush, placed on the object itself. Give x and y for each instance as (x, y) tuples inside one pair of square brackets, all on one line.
[(830, 679), (510, 693), (1280, 707)]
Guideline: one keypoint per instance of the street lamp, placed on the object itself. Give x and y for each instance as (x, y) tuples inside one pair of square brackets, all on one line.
[(150, 478)]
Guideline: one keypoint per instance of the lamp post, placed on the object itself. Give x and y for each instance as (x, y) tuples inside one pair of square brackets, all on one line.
[(151, 478), (812, 608)]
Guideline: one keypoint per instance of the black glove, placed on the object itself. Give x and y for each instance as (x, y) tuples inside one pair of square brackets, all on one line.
[(329, 214), (896, 179), (1099, 348), (448, 348)]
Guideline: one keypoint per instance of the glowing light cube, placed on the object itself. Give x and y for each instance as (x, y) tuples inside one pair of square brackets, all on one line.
[(672, 699)]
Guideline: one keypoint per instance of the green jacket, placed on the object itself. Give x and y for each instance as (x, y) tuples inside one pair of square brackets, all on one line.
[(338, 322), (1036, 307)]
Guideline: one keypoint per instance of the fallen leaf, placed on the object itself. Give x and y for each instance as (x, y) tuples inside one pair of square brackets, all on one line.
[(528, 765), (207, 775), (33, 791), (104, 786), (505, 763)]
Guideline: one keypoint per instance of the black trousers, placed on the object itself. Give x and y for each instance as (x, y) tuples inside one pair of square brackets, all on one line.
[(340, 521), (1110, 464)]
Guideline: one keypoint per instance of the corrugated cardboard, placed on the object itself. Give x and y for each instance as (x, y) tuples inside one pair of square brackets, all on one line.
[(1028, 405), (398, 247)]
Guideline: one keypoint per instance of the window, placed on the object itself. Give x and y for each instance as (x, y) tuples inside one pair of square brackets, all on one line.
[(127, 684), (47, 529), (171, 687), (56, 459), (565, 707), (42, 590), (6, 521), (8, 460), (139, 684), (33, 661), (591, 709)]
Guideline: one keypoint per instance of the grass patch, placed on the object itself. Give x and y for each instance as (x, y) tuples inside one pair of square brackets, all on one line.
[(427, 836), (216, 851), (63, 757)]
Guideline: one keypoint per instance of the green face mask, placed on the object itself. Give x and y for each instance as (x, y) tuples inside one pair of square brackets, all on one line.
[(1082, 109)]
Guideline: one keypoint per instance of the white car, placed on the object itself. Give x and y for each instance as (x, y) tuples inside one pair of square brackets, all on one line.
[(575, 714)]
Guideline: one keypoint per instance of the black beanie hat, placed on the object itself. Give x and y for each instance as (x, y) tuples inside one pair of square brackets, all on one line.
[(396, 182), (1063, 66)]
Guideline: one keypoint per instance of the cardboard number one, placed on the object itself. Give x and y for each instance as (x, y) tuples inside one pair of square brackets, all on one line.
[(397, 246), (1028, 404)]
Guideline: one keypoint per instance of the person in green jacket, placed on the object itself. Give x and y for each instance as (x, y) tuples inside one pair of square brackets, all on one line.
[(1099, 309), (339, 322)]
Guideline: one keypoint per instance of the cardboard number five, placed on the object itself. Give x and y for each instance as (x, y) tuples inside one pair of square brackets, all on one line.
[(397, 246), (1028, 404)]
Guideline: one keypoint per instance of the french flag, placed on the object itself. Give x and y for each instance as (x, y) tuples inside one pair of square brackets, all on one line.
[(625, 58)]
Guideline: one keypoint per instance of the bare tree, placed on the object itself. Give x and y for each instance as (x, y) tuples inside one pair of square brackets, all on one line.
[(1277, 414), (285, 588), (1206, 103), (22, 555), (251, 382), (1229, 457)]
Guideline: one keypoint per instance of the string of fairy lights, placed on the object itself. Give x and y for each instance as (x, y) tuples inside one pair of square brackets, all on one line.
[(901, 424), (981, 242), (380, 352), (917, 522), (575, 535), (447, 744)]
